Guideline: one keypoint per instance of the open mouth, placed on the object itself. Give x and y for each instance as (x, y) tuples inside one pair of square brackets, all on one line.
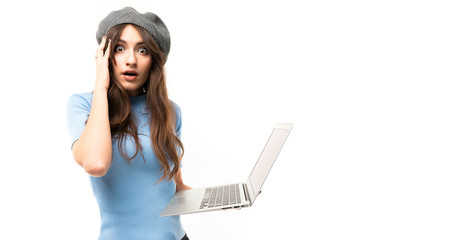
[(130, 73)]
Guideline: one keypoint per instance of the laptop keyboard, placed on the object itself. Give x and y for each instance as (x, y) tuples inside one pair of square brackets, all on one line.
[(221, 196)]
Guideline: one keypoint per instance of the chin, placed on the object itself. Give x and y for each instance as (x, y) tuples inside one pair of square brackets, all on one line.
[(131, 88)]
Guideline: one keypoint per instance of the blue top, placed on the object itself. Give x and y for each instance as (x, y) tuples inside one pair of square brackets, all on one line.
[(129, 199)]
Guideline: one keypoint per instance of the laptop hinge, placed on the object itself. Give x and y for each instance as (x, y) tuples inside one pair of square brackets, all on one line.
[(246, 192)]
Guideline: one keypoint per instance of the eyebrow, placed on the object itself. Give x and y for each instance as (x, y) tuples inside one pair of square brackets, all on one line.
[(124, 42)]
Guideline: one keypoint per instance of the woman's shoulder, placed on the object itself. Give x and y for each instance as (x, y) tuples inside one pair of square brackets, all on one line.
[(83, 99), (175, 106), (177, 111)]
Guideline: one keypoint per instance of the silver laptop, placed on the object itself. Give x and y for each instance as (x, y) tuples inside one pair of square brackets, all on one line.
[(237, 195)]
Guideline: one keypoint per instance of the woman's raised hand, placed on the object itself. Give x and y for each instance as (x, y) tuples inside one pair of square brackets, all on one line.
[(101, 59), (93, 150)]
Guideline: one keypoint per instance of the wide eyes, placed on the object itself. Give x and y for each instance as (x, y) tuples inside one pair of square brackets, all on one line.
[(141, 50), (119, 49)]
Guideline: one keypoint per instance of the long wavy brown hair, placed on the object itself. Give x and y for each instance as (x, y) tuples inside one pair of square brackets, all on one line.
[(165, 143)]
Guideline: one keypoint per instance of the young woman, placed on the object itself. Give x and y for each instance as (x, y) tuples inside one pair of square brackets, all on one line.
[(126, 133)]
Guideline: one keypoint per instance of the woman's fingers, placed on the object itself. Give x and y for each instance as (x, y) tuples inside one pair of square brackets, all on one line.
[(101, 52), (100, 47), (101, 59), (107, 51)]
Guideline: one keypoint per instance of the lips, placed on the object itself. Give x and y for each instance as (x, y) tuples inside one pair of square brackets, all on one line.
[(130, 75)]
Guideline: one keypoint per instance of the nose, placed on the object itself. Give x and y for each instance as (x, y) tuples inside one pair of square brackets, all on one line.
[(131, 59)]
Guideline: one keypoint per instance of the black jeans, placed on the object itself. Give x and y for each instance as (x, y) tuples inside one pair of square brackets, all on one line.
[(185, 237)]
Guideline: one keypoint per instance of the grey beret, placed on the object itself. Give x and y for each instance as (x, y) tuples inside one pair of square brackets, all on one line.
[(149, 21)]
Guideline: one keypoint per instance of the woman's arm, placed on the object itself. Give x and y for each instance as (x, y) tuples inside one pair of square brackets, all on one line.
[(93, 150), (180, 186)]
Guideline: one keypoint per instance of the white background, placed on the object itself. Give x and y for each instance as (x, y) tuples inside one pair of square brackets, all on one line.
[(375, 90)]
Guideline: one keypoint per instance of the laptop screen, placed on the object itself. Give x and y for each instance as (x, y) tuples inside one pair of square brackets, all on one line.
[(268, 157)]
